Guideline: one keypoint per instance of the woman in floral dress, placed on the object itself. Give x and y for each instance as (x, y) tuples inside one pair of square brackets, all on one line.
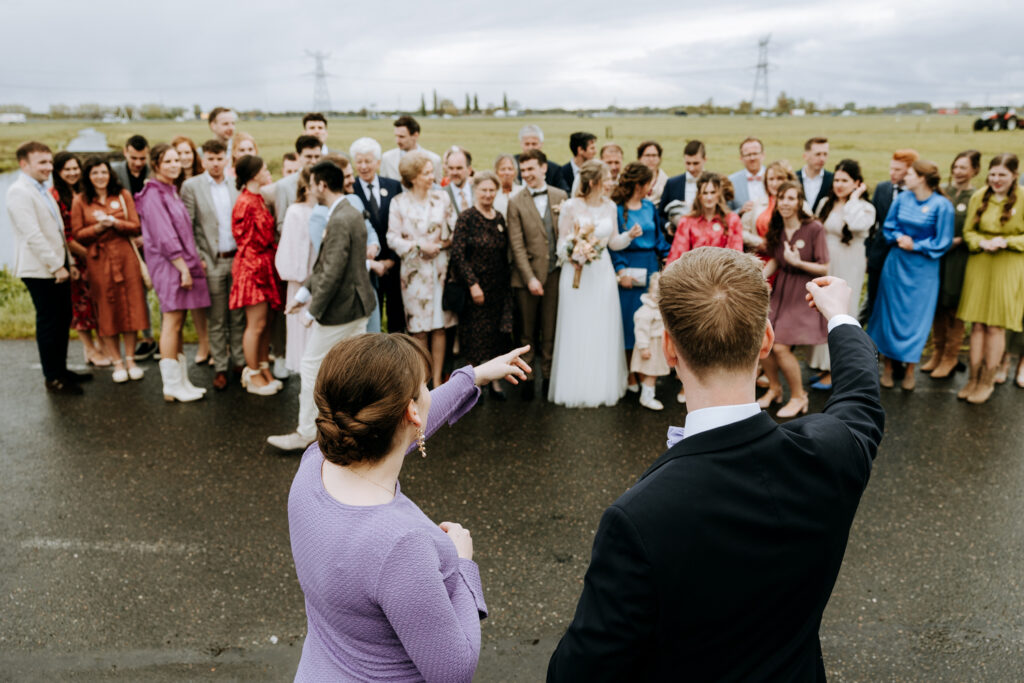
[(420, 227)]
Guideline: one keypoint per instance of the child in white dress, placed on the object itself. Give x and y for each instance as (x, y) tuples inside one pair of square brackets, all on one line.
[(648, 356)]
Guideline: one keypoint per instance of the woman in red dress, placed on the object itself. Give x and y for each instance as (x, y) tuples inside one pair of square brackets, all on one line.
[(67, 174), (710, 223), (255, 286)]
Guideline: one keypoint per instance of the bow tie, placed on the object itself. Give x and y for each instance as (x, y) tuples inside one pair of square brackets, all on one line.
[(538, 193), (752, 178)]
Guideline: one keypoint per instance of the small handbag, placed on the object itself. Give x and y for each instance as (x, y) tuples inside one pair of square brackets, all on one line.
[(454, 296), (147, 281)]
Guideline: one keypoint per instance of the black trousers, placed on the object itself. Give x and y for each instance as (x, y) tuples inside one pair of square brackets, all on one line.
[(53, 320), (389, 294)]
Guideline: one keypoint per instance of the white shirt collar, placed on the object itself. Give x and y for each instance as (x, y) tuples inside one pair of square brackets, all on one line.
[(705, 419), (333, 206), (214, 182)]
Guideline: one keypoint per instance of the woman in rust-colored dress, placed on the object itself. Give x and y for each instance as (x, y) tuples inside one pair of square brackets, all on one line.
[(255, 286), (67, 174), (104, 220)]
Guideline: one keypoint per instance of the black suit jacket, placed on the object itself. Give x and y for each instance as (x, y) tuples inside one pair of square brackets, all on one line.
[(567, 177), (826, 186), (877, 247), (675, 188), (380, 221), (718, 563)]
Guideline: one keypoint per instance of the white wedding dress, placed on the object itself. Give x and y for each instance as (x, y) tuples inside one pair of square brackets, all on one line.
[(589, 366)]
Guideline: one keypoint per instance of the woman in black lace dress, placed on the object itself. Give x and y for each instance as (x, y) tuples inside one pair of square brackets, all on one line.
[(479, 260)]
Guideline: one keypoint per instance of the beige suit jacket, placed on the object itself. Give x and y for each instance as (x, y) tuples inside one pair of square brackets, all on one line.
[(40, 249), (198, 198), (528, 239)]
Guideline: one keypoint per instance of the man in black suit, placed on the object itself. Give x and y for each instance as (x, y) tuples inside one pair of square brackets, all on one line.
[(532, 137), (683, 188), (718, 563), (816, 180), (584, 148), (376, 192), (876, 247)]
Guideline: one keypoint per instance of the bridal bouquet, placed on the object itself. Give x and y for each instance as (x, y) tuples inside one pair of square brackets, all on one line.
[(581, 248)]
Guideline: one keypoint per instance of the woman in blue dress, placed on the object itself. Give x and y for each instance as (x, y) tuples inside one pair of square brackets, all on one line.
[(920, 223), (645, 254)]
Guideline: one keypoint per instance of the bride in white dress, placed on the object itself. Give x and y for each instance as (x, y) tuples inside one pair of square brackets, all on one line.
[(589, 366)]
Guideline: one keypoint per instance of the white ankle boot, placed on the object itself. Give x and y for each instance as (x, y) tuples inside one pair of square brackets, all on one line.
[(174, 388), (647, 399), (183, 362)]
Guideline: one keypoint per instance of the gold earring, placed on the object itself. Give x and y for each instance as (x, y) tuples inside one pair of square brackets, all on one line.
[(421, 442)]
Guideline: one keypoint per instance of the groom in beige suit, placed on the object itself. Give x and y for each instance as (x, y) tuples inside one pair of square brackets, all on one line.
[(533, 235), (209, 198)]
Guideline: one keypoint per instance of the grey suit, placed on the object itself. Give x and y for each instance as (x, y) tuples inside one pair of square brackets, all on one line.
[(339, 283), (280, 195), (454, 200), (226, 326)]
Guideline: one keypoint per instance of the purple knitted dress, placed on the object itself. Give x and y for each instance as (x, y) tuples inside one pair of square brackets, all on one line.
[(387, 597)]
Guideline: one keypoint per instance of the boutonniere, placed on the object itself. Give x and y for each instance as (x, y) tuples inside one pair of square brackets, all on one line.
[(800, 244), (115, 204), (383, 192), (555, 210), (961, 207)]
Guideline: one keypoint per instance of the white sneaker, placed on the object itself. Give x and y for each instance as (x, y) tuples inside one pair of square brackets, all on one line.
[(135, 372), (280, 371), (120, 376), (647, 399), (652, 403), (632, 388), (289, 442)]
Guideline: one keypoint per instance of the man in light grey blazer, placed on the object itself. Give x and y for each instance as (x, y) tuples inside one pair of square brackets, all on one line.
[(43, 262), (748, 183), (337, 298), (407, 139), (209, 198)]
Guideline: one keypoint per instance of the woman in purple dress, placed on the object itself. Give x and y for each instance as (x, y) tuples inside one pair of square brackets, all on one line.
[(390, 595), (796, 244), (178, 274)]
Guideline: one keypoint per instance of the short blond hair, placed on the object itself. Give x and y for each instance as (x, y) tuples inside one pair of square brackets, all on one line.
[(411, 166), (715, 306)]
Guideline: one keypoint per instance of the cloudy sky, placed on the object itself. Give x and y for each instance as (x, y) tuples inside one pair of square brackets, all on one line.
[(384, 54)]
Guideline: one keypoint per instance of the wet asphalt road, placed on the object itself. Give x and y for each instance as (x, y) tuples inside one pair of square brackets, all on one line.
[(147, 541)]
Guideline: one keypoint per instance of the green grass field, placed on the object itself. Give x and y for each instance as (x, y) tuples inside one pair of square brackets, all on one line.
[(869, 139)]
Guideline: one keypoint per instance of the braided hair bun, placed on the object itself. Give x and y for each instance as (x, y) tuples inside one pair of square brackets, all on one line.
[(362, 393)]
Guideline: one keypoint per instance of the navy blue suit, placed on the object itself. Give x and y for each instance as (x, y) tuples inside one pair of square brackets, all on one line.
[(567, 177), (718, 563), (675, 189), (390, 285), (826, 186)]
